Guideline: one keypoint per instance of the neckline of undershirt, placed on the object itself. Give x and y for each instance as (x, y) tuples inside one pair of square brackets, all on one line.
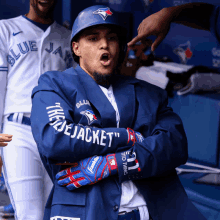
[(41, 26)]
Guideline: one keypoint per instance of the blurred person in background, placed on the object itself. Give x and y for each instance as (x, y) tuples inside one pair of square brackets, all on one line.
[(30, 45)]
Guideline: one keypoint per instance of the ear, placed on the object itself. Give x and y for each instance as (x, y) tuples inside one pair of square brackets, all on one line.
[(76, 50)]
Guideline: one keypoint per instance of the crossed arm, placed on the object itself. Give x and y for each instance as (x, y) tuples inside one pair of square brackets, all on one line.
[(160, 152), (60, 139)]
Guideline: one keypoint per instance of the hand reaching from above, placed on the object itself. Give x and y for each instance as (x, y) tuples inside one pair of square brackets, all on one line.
[(157, 24)]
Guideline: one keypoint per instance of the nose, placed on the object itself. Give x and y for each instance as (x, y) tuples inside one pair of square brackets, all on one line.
[(103, 43)]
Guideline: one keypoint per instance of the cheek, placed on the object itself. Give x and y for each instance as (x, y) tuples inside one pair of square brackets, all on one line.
[(33, 4), (89, 53), (88, 56), (115, 50)]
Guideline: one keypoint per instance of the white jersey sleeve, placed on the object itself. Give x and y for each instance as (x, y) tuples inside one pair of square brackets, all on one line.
[(3, 70)]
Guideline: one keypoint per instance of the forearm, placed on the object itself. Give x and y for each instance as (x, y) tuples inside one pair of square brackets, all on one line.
[(60, 139), (75, 142), (195, 15), (93, 169)]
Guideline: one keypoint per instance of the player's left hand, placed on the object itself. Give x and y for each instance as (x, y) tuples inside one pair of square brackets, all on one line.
[(88, 171), (4, 138), (134, 136)]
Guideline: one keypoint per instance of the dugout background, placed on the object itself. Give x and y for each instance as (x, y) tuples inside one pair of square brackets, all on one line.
[(182, 44)]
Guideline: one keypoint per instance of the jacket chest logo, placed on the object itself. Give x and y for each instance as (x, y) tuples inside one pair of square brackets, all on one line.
[(89, 115)]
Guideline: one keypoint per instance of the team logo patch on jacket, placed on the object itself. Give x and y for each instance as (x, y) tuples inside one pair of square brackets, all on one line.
[(89, 115), (103, 12), (184, 52)]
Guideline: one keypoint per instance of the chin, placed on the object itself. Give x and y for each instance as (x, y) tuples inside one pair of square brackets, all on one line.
[(45, 12), (103, 74), (106, 70), (103, 77)]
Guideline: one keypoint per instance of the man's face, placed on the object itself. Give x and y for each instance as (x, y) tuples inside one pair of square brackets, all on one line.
[(98, 50), (43, 8)]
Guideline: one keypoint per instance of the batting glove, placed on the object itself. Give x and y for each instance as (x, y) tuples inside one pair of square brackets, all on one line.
[(134, 137), (88, 171)]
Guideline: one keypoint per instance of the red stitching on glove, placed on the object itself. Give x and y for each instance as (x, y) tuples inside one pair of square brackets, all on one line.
[(131, 136)]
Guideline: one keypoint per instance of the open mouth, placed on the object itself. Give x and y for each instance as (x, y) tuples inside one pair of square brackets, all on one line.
[(105, 59), (44, 3)]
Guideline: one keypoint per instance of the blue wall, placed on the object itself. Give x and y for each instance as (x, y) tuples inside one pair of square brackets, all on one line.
[(14, 8), (187, 45), (182, 44)]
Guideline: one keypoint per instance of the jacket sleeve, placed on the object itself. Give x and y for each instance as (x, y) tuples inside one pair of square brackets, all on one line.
[(60, 139), (160, 152)]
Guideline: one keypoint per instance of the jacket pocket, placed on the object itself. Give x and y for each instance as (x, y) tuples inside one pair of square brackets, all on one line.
[(63, 196)]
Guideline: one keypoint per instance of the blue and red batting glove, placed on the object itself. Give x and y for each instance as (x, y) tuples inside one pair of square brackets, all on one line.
[(134, 137), (88, 171)]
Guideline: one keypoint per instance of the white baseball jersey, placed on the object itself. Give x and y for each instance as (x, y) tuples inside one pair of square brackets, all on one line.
[(26, 52)]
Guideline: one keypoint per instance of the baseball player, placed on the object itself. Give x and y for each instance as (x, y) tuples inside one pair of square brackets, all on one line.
[(116, 133), (30, 45)]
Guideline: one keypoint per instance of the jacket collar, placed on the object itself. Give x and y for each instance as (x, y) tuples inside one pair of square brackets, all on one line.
[(123, 88), (97, 98), (124, 92)]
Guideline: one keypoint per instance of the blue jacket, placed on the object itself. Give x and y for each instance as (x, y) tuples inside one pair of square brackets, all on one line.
[(72, 119)]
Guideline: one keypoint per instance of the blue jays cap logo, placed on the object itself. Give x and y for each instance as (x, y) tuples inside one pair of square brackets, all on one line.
[(103, 12), (89, 115)]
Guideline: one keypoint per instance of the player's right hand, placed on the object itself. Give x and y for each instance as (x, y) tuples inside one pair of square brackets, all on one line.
[(5, 138), (134, 137), (157, 24)]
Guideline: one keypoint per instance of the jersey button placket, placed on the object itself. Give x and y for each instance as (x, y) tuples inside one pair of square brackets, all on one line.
[(110, 95)]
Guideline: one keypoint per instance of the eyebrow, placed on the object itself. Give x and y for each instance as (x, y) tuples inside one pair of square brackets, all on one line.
[(93, 33)]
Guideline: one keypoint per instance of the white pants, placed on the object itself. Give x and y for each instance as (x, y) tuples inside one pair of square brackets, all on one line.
[(26, 179)]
